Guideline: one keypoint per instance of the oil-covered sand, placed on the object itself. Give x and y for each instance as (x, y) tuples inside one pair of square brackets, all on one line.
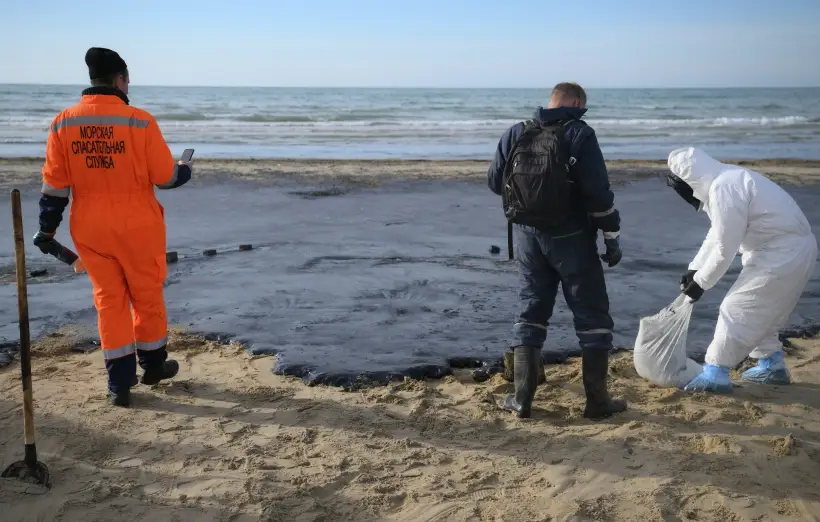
[(355, 272)]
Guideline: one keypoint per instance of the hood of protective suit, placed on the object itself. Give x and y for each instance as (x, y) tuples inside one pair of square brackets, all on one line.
[(696, 168)]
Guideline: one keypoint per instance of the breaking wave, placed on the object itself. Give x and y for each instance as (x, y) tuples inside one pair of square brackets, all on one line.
[(341, 121)]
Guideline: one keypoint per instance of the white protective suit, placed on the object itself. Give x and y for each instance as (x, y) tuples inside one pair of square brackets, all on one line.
[(752, 215)]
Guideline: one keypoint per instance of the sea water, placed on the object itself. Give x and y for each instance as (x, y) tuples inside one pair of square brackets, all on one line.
[(435, 123)]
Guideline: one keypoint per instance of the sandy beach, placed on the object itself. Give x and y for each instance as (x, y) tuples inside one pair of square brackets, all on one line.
[(25, 171), (228, 440)]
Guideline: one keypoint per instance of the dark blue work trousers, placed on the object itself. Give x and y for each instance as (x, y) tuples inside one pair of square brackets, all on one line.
[(571, 260)]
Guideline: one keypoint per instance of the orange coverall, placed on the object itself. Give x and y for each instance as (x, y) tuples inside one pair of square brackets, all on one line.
[(109, 156)]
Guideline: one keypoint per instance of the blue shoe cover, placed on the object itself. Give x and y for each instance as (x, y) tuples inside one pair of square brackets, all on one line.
[(714, 379), (769, 370)]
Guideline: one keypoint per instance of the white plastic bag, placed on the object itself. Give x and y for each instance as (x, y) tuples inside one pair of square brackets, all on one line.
[(660, 348)]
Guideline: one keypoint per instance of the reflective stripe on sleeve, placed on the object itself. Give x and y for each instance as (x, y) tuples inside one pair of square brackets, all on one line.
[(603, 214), (48, 190)]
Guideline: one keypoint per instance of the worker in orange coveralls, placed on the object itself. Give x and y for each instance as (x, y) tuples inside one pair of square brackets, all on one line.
[(109, 156)]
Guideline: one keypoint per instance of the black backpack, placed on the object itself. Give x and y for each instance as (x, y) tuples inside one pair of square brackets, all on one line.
[(537, 189)]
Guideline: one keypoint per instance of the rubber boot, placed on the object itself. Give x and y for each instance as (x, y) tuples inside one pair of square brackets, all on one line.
[(527, 359), (156, 366), (594, 367), (509, 364), (509, 367)]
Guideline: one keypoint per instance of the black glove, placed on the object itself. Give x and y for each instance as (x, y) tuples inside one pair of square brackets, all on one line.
[(613, 252), (687, 278), (48, 245), (693, 290), (44, 242)]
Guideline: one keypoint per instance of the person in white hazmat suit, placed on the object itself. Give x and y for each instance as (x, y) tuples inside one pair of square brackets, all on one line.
[(752, 215)]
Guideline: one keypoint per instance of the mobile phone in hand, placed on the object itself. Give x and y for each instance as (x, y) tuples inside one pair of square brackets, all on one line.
[(187, 154)]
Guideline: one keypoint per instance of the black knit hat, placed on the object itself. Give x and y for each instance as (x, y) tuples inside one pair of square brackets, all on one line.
[(103, 63)]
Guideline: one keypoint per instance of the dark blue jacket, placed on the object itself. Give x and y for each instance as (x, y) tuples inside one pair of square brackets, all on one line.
[(595, 201)]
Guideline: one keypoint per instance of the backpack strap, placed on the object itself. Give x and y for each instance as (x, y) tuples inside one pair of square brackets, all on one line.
[(528, 126), (510, 253), (575, 147)]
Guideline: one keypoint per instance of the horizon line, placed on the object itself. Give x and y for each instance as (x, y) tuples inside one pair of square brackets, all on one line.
[(410, 159), (408, 87)]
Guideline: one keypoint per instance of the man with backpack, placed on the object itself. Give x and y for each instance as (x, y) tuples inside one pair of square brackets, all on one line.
[(553, 181)]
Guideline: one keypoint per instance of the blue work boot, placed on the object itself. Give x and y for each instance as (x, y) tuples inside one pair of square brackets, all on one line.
[(713, 379), (122, 376), (156, 366), (769, 370)]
